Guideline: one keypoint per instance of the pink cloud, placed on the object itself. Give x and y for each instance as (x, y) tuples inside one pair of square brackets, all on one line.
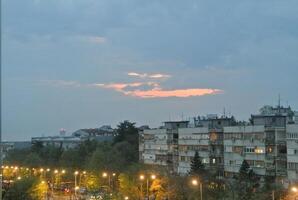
[(159, 93), (144, 89)]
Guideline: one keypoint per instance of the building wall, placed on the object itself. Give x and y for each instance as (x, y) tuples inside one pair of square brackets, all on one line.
[(154, 147), (292, 152), (192, 140), (244, 143)]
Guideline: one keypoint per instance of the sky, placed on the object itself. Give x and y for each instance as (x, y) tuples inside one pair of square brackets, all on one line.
[(86, 63)]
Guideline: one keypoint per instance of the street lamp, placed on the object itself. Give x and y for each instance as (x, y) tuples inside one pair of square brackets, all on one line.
[(195, 183), (82, 174), (105, 175), (126, 198), (75, 186), (142, 177)]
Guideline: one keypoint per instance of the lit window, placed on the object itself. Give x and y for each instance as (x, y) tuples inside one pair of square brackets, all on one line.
[(259, 150)]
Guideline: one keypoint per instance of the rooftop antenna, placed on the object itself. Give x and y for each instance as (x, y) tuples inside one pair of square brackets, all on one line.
[(279, 103)]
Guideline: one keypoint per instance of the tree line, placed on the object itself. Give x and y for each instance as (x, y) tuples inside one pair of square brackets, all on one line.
[(90, 154)]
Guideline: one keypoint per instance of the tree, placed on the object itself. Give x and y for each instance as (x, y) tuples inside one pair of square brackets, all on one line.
[(71, 158), (16, 156), (27, 189), (126, 131), (92, 183), (129, 187), (215, 188), (39, 190), (32, 160), (247, 182), (196, 166)]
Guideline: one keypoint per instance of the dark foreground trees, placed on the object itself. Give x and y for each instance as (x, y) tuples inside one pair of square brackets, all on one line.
[(247, 182), (30, 188)]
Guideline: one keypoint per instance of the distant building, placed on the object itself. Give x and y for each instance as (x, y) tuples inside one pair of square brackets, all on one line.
[(7, 146), (65, 142), (104, 133)]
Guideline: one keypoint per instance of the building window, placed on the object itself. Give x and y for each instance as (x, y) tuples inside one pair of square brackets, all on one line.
[(182, 158), (259, 163), (249, 150), (237, 149), (228, 149), (232, 162), (259, 150)]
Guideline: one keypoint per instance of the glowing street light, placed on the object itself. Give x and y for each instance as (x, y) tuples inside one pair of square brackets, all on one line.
[(195, 182), (126, 198), (153, 176), (142, 177), (294, 189), (108, 175), (76, 187)]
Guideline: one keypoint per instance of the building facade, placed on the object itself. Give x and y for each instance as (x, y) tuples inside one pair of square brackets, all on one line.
[(268, 142), (292, 152)]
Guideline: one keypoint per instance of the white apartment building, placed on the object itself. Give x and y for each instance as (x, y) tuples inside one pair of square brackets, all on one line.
[(155, 147), (263, 147), (244, 143), (268, 142), (191, 140), (160, 146), (292, 152)]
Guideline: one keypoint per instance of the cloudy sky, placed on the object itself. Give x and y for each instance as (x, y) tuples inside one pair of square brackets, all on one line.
[(84, 63)]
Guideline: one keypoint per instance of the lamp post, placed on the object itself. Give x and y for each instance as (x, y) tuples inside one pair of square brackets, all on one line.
[(195, 182), (75, 186), (294, 190), (142, 177), (108, 175), (82, 174)]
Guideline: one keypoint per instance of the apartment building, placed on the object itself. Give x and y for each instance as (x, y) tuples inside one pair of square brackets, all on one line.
[(292, 152), (160, 146), (262, 145), (207, 140), (268, 142), (191, 140)]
